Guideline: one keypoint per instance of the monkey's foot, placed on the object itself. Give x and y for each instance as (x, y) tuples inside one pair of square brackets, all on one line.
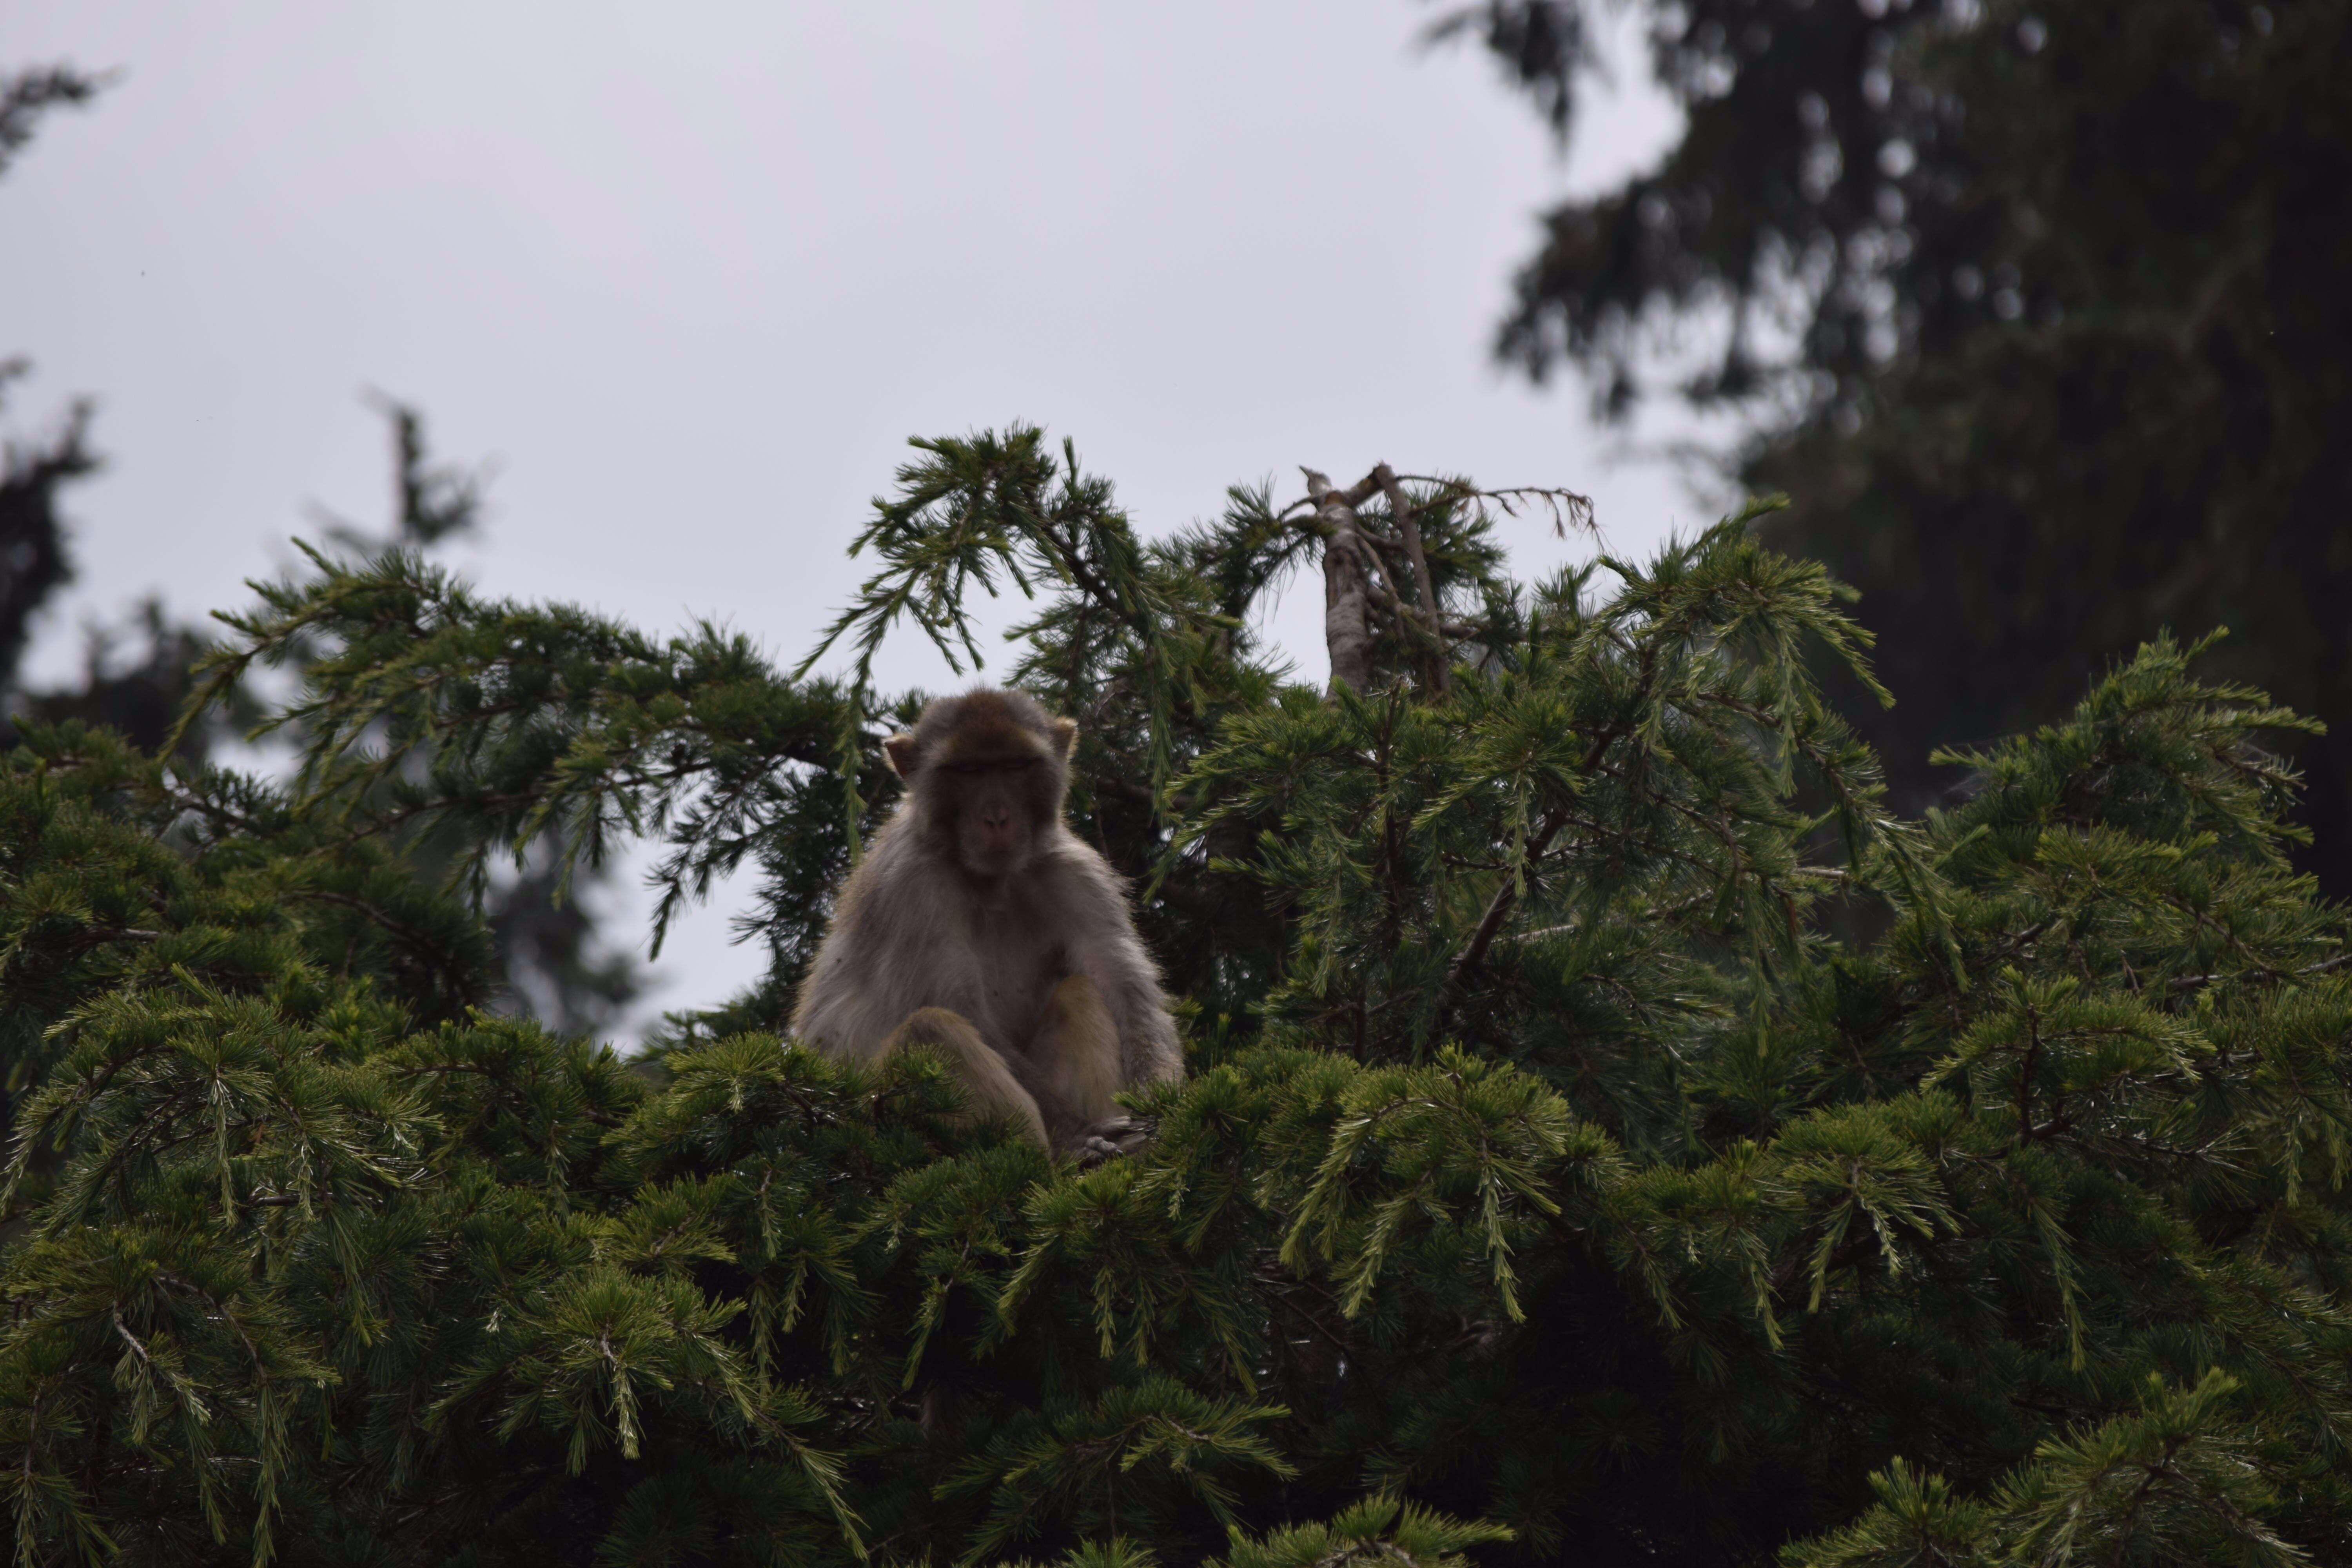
[(1112, 1138)]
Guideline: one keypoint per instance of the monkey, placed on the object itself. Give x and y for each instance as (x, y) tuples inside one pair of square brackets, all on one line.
[(979, 925)]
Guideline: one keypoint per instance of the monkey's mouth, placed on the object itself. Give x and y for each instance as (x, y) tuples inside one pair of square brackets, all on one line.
[(986, 859)]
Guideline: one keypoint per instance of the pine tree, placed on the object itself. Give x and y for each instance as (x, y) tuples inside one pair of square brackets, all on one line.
[(1612, 1135)]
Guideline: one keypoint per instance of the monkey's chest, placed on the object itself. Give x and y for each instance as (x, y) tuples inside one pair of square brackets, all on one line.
[(1015, 960)]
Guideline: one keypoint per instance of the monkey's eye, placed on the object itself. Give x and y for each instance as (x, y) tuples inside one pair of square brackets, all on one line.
[(1009, 766)]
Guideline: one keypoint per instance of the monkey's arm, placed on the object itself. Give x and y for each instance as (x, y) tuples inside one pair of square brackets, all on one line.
[(1152, 1051), (885, 953), (1103, 946), (1149, 1051)]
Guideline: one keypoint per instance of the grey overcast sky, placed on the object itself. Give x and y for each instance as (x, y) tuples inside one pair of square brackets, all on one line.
[(692, 274)]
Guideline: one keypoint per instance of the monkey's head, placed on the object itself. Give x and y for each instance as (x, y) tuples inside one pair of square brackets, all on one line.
[(986, 773)]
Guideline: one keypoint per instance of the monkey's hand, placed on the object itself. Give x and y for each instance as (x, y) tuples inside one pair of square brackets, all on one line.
[(1112, 1138)]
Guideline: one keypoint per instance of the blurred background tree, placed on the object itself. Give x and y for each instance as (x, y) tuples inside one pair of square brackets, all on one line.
[(2034, 307), (34, 561), (138, 673)]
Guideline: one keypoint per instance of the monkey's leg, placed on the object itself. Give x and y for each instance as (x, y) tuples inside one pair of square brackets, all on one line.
[(1075, 1064), (993, 1090), (1073, 1055)]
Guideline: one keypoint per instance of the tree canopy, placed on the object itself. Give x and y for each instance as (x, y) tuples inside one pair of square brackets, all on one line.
[(1612, 1134)]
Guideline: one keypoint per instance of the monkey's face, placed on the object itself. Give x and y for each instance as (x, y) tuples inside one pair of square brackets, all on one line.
[(988, 771), (997, 807)]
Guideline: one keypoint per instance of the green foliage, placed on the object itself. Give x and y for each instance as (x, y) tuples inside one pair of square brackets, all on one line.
[(1612, 1134), (2174, 1480)]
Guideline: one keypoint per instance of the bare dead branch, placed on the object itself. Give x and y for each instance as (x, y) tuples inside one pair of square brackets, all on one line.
[(1568, 507)]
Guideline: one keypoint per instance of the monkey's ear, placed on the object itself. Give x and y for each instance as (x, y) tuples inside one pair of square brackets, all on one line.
[(1065, 735), (898, 751)]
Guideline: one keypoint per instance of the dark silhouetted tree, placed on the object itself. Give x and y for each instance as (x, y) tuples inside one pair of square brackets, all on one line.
[(33, 561), (2036, 310)]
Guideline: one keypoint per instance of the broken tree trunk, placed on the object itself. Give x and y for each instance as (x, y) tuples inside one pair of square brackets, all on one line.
[(1347, 581)]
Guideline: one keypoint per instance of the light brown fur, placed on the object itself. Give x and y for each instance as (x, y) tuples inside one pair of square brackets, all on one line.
[(980, 926)]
